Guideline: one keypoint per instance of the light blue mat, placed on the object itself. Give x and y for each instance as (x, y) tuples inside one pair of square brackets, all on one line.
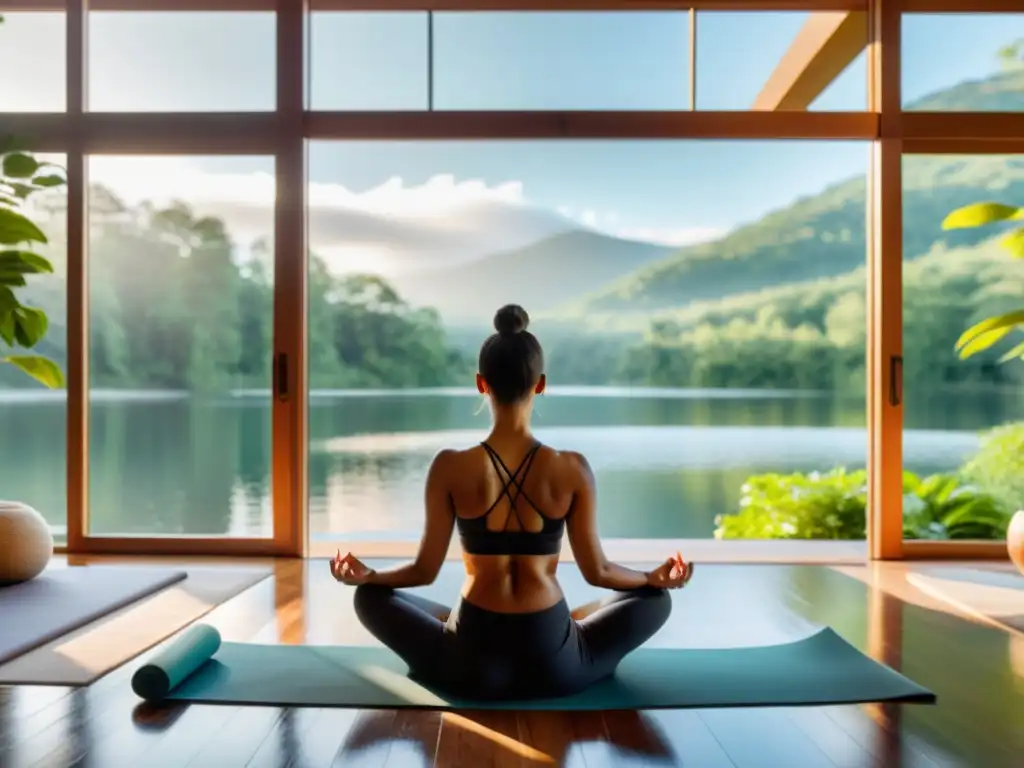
[(61, 600), (820, 669)]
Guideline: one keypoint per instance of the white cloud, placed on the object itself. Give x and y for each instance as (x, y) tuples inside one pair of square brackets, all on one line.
[(390, 227), (676, 237)]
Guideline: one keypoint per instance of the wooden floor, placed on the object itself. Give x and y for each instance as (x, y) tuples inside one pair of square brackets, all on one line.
[(977, 671)]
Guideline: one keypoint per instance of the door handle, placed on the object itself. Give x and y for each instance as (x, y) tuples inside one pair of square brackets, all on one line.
[(895, 380), (281, 376)]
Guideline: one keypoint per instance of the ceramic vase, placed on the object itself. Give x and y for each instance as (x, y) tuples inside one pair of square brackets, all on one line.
[(1015, 540)]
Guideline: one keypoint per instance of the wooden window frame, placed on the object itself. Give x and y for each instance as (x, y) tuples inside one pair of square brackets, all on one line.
[(286, 132)]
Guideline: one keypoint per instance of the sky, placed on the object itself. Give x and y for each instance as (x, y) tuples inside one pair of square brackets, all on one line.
[(669, 191)]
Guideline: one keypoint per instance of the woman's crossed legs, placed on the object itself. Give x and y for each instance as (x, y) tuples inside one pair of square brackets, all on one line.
[(415, 629)]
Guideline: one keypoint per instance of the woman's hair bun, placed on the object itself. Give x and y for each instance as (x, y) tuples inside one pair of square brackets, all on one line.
[(511, 319)]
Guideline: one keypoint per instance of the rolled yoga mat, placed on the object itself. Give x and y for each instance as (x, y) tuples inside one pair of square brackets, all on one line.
[(820, 669), (176, 663)]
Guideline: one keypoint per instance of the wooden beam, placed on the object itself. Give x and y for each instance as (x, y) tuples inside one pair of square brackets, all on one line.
[(939, 146), (447, 5), (955, 550), (290, 388), (822, 49), (77, 283), (591, 125), (542, 6), (961, 6), (1006, 126), (885, 290)]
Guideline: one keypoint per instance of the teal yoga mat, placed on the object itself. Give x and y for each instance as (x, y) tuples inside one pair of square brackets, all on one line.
[(820, 669)]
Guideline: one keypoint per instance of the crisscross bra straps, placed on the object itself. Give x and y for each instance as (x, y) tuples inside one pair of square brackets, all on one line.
[(477, 539)]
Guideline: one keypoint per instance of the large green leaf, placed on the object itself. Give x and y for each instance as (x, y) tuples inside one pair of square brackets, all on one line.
[(1014, 243), (49, 180), (7, 328), (1017, 351), (20, 190), (988, 332), (18, 165), (8, 301), (979, 215), (983, 341), (15, 229), (30, 326), (42, 369), (13, 280), (24, 263)]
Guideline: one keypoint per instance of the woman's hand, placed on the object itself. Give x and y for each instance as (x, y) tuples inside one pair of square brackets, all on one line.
[(349, 570), (672, 574)]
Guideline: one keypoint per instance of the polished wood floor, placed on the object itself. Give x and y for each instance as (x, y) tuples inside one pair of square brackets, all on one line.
[(976, 669)]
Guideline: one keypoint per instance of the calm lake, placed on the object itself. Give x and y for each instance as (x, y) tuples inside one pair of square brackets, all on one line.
[(667, 461)]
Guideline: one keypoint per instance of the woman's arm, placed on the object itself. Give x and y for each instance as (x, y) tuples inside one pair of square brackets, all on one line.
[(595, 566), (437, 533)]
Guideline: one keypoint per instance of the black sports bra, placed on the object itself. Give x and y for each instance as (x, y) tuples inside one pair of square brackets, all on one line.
[(478, 540)]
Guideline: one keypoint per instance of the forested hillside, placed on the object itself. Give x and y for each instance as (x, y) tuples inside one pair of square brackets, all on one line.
[(823, 235), (779, 302)]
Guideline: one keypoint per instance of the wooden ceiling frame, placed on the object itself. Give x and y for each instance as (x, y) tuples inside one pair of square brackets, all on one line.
[(826, 45), (453, 6)]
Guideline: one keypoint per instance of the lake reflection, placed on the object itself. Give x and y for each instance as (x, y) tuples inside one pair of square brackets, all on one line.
[(667, 462)]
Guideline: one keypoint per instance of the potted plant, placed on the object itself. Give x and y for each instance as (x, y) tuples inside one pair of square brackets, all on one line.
[(993, 330)]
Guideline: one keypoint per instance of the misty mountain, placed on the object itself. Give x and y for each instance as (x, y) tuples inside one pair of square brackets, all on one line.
[(536, 276), (388, 243)]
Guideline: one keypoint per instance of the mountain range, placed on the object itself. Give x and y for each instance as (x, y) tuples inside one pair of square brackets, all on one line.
[(468, 257), (536, 275), (581, 276)]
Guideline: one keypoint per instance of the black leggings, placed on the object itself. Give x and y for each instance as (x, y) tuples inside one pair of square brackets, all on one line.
[(480, 654)]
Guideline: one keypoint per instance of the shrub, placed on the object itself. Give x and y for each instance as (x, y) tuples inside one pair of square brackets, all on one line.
[(998, 467), (798, 506), (943, 507), (833, 505)]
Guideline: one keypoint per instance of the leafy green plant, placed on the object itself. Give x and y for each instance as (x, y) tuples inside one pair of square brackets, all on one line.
[(826, 505), (943, 507), (997, 465), (23, 326), (833, 505), (992, 330)]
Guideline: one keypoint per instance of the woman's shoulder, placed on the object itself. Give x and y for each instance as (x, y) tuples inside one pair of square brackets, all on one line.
[(572, 462)]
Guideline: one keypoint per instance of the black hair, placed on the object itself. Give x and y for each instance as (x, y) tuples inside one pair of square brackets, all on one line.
[(511, 360)]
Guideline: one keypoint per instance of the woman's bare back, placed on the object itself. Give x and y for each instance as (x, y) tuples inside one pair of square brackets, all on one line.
[(512, 583)]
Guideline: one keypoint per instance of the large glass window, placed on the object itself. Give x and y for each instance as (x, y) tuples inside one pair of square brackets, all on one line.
[(986, 74), (181, 62), (501, 61), (32, 58), (561, 60), (33, 418), (701, 304), (369, 61), (743, 57), (181, 314), (964, 406)]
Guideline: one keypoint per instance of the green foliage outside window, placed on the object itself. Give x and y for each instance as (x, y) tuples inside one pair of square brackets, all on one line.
[(833, 505)]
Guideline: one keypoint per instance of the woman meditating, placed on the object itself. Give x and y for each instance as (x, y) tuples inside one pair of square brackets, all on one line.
[(511, 635)]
